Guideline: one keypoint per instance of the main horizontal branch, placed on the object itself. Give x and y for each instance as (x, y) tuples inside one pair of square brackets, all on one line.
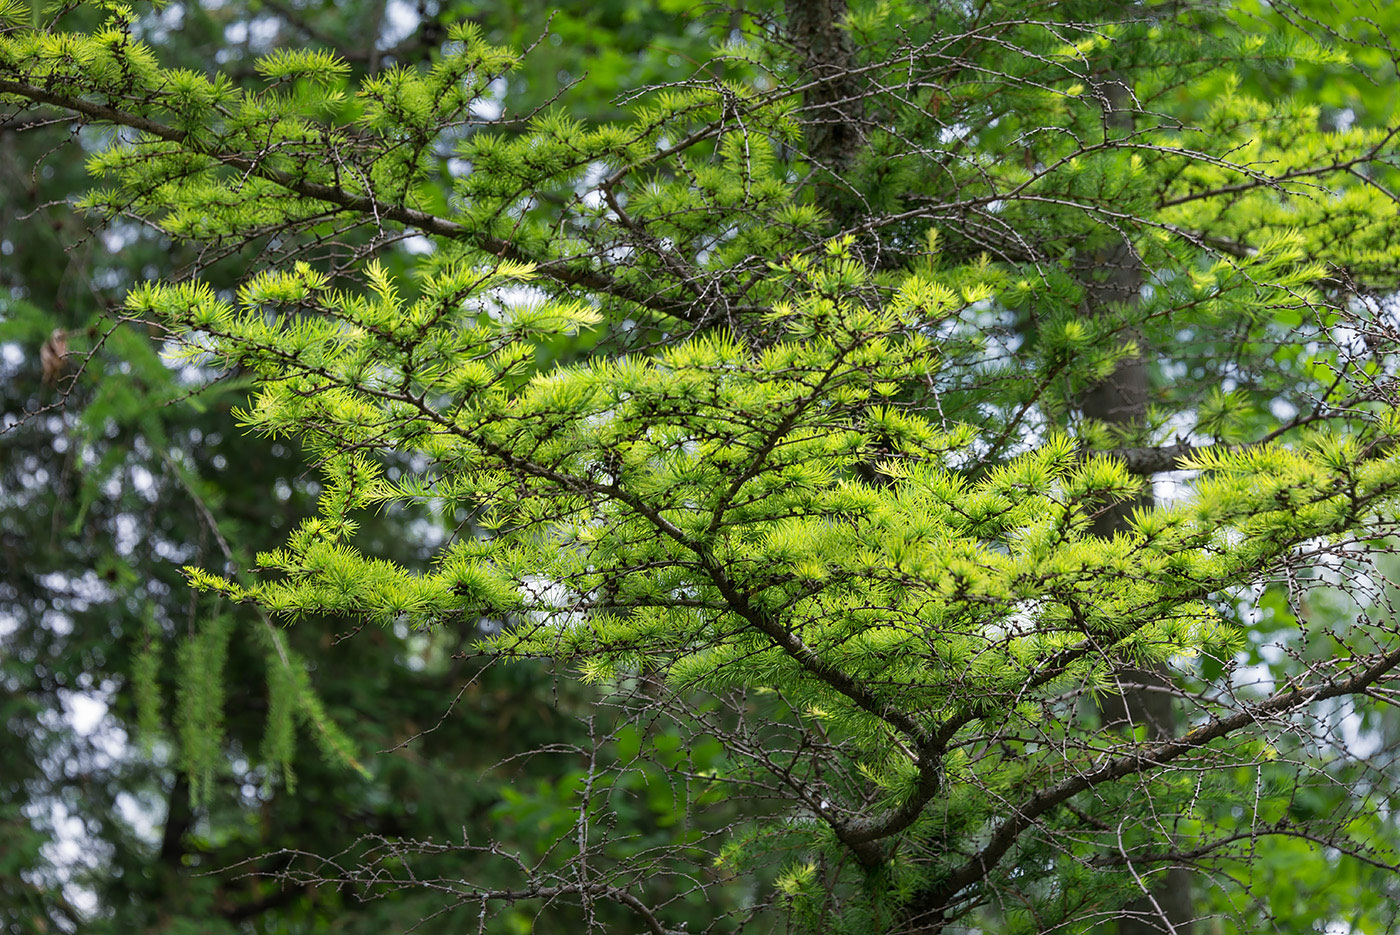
[(1145, 759)]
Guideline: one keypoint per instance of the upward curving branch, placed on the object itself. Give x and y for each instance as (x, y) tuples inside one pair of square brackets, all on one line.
[(926, 908)]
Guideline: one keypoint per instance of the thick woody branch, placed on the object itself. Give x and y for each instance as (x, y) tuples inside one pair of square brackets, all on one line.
[(1144, 461), (1146, 758)]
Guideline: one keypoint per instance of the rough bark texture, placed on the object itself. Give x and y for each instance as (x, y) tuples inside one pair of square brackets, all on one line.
[(831, 103)]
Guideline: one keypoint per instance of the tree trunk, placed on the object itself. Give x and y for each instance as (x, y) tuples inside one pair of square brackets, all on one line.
[(831, 103), (1115, 277)]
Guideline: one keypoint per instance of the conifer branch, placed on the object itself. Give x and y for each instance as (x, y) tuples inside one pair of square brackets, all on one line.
[(1147, 758), (1276, 182), (559, 271)]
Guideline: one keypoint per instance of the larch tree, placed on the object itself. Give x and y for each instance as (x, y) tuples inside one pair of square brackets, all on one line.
[(954, 441)]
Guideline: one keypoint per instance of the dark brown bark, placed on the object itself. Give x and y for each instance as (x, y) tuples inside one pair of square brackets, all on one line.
[(831, 106)]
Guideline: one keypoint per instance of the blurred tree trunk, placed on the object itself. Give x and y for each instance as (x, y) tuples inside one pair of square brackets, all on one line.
[(1114, 277), (832, 101)]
